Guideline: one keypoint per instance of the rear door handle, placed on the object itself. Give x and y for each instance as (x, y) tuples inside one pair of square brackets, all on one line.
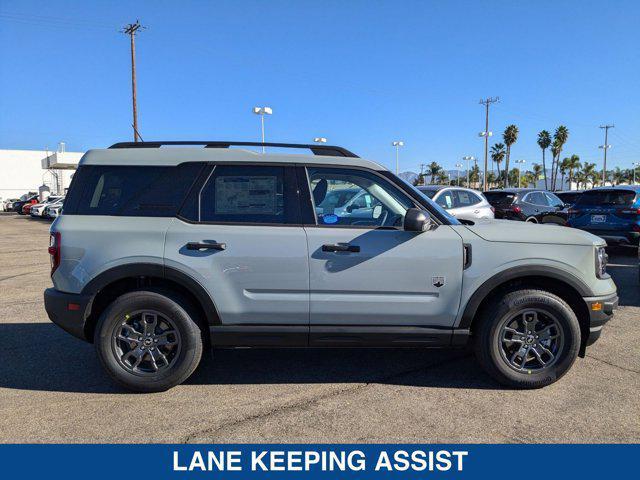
[(206, 246), (340, 247)]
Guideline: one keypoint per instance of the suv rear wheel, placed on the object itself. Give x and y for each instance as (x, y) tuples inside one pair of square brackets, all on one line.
[(527, 338), (148, 341)]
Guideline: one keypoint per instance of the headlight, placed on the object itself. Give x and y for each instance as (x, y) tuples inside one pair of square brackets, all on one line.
[(601, 262)]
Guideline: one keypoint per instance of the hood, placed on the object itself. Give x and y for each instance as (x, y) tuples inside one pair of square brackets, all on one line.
[(525, 232)]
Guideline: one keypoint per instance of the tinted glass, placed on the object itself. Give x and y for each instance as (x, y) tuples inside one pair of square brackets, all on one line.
[(376, 202), (243, 194), (569, 197), (554, 201), (130, 190), (429, 192), (500, 198), (536, 198), (465, 198), (607, 197)]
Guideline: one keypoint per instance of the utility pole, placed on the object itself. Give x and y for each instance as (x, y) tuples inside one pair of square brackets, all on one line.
[(486, 134), (605, 147), (422, 167), (131, 30)]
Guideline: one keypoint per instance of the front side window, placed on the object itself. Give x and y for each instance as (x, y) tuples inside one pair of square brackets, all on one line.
[(243, 194), (446, 200), (374, 202)]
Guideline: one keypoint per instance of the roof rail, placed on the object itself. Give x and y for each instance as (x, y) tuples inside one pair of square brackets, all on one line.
[(316, 149)]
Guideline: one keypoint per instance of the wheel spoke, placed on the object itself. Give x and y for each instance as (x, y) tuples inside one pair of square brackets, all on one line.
[(163, 339), (149, 321), (545, 333), (132, 331), (530, 318), (158, 355), (524, 357), (137, 354), (538, 356)]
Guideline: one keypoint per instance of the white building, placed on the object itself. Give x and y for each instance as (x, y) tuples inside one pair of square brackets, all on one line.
[(23, 171)]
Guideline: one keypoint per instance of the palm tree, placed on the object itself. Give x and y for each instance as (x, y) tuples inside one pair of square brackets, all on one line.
[(530, 178), (497, 155), (491, 179), (512, 177), (573, 165), (544, 140), (564, 169), (538, 171), (559, 139), (474, 175), (618, 176), (434, 169), (581, 179), (509, 136), (442, 177), (590, 174)]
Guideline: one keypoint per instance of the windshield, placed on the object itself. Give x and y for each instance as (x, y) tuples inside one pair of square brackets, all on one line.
[(450, 218), (607, 197)]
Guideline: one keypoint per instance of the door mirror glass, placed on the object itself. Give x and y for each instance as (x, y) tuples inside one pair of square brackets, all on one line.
[(416, 220)]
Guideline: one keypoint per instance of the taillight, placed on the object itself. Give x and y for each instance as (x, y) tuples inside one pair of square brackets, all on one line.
[(516, 209), (635, 227), (54, 250), (493, 209), (629, 211)]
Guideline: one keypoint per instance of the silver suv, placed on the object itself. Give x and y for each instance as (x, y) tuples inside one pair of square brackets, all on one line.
[(161, 252)]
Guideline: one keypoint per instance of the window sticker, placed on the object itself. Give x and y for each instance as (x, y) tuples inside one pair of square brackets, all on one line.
[(329, 219), (246, 194)]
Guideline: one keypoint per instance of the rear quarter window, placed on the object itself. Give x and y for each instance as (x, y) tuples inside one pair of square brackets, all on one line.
[(500, 198), (130, 191)]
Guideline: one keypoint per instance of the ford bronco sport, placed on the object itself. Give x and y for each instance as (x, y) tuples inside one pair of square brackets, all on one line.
[(162, 252)]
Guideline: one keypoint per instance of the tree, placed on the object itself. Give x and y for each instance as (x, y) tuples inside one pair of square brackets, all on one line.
[(434, 169), (509, 136), (618, 176), (544, 140), (512, 178), (589, 173), (564, 169), (559, 139), (573, 165), (497, 155), (538, 171), (474, 175), (442, 177), (491, 179), (530, 178)]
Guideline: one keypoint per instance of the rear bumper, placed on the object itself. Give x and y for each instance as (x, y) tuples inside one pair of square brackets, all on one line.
[(600, 312), (67, 310)]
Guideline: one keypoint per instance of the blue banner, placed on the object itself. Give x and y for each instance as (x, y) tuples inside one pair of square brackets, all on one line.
[(318, 461)]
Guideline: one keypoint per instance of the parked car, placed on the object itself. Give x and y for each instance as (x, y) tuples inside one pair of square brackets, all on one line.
[(528, 205), (53, 210), (569, 197), (612, 213), (462, 203), (349, 202), (26, 208), (25, 199), (162, 251), (8, 205), (37, 210)]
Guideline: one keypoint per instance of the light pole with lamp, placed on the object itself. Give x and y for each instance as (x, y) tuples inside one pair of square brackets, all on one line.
[(320, 140), (458, 166), (634, 166), (262, 111), (521, 162), (397, 144), (468, 158)]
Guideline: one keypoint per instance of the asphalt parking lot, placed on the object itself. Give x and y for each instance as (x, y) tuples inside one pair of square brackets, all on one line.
[(52, 388)]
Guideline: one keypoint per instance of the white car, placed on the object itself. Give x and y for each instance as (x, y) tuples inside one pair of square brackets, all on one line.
[(38, 209), (462, 203)]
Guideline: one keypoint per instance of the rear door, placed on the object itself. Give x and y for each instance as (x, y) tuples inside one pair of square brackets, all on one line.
[(369, 271), (466, 204), (239, 235)]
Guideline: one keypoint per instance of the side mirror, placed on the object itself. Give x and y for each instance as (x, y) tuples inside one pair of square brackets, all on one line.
[(416, 220)]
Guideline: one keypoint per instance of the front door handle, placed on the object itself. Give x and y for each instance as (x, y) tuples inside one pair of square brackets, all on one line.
[(340, 247), (206, 246)]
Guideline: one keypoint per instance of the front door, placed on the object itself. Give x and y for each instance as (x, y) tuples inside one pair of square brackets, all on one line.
[(369, 271)]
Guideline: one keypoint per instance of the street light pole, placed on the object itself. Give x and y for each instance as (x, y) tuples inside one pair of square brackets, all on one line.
[(519, 171), (468, 158), (634, 166), (605, 147), (458, 166), (262, 111), (397, 144)]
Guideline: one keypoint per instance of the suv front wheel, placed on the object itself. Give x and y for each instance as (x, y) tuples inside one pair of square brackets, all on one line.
[(148, 341), (527, 338)]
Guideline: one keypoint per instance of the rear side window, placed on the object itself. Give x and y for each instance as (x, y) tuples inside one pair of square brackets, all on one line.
[(465, 198), (248, 194), (536, 198), (130, 191), (622, 198)]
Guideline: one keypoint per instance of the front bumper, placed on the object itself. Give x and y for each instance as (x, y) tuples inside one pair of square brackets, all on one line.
[(600, 312), (68, 311)]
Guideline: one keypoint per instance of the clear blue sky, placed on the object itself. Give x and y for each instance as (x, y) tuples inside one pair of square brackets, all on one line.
[(361, 73)]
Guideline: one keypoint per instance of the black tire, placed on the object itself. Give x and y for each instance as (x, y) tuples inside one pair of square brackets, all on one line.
[(532, 220), (173, 307), (488, 340)]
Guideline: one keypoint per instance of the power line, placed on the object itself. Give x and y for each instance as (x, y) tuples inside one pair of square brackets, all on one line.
[(487, 102), (131, 30)]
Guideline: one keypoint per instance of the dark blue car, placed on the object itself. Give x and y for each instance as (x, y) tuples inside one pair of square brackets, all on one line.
[(612, 213)]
